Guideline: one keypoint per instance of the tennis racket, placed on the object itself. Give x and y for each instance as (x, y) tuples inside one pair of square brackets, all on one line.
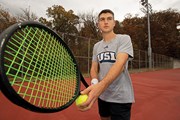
[(37, 69)]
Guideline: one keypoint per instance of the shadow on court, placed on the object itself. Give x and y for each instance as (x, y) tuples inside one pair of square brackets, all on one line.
[(157, 96)]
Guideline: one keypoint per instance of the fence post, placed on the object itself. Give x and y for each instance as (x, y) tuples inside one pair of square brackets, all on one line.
[(89, 47), (139, 59)]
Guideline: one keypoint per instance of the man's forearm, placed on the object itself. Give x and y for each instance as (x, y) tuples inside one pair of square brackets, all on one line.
[(112, 75), (94, 74), (115, 70), (94, 70)]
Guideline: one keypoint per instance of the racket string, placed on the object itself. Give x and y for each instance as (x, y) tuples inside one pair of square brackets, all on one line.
[(49, 83)]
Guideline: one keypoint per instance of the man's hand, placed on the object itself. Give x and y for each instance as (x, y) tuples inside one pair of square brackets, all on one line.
[(93, 93)]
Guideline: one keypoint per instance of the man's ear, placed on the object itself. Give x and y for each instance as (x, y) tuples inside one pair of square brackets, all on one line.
[(97, 25), (114, 23)]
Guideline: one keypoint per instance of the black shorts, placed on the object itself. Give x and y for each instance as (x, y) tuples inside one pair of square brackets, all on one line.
[(117, 111)]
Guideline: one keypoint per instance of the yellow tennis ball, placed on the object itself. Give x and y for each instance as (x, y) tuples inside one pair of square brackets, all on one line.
[(81, 99)]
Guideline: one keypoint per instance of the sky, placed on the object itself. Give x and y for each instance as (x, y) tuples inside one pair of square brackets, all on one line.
[(120, 7)]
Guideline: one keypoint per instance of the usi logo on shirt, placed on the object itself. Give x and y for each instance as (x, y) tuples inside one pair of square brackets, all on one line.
[(107, 56)]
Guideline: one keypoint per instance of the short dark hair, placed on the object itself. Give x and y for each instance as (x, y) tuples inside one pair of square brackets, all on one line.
[(106, 11)]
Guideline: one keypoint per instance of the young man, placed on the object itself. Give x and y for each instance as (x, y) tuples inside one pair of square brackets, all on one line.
[(114, 90)]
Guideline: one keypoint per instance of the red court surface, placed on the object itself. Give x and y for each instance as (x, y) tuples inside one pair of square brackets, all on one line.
[(157, 97)]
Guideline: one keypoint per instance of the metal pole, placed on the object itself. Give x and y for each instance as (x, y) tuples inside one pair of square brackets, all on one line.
[(149, 38), (178, 28)]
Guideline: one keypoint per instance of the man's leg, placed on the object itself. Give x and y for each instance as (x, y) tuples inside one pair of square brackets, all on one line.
[(105, 118), (104, 109), (120, 111)]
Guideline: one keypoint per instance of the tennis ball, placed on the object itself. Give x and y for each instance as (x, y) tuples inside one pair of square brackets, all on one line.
[(81, 99)]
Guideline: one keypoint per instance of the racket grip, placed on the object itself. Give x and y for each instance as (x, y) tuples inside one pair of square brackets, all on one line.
[(83, 81)]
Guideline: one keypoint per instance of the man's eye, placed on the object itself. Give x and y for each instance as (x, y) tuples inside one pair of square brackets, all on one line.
[(109, 18), (102, 19)]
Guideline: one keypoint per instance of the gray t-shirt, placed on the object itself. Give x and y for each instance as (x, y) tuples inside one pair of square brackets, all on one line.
[(121, 90)]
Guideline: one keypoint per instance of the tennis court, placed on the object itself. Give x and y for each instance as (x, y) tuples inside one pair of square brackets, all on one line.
[(157, 95)]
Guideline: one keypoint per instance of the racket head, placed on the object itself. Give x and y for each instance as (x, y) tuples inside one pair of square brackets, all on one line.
[(31, 82)]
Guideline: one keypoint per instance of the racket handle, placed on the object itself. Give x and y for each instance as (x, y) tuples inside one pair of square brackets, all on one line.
[(83, 81)]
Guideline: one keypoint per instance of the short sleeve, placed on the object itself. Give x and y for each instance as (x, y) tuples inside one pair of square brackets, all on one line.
[(126, 46), (94, 56)]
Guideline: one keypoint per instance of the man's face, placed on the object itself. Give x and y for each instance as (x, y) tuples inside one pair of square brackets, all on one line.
[(106, 22)]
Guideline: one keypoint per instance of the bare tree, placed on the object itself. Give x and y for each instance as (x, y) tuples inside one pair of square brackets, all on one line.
[(5, 19), (26, 15), (89, 25)]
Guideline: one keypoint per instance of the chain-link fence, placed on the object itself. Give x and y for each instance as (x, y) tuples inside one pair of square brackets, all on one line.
[(141, 62), (82, 49)]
